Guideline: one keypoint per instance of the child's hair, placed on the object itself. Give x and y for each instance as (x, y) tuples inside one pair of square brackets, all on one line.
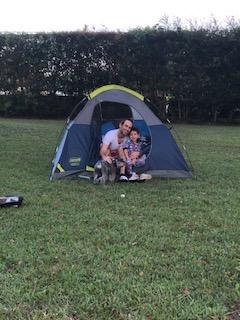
[(135, 130)]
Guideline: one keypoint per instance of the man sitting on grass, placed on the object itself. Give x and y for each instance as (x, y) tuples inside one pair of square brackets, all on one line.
[(112, 142)]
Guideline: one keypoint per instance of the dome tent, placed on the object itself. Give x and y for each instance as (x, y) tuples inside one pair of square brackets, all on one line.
[(102, 110)]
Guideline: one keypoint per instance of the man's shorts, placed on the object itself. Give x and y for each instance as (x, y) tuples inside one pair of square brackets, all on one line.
[(114, 153)]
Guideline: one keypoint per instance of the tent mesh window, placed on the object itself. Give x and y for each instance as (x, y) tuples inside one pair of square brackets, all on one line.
[(111, 111)]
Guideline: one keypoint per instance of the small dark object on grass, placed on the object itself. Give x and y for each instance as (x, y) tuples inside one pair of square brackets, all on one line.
[(11, 201)]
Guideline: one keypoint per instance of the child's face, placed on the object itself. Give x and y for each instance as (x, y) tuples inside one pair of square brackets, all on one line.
[(134, 136)]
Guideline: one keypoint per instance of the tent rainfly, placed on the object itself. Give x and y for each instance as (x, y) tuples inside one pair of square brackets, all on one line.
[(102, 110)]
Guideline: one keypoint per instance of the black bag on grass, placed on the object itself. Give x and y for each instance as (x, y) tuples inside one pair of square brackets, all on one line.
[(9, 201)]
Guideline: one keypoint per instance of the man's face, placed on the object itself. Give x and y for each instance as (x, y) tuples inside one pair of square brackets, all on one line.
[(125, 127)]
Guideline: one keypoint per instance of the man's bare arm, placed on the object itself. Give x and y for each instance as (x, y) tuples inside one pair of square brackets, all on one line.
[(104, 153)]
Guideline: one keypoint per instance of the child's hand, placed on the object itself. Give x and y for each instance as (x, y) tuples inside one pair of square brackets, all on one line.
[(133, 161), (134, 155)]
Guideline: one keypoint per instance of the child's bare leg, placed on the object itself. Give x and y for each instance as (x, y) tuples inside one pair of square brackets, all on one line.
[(123, 169)]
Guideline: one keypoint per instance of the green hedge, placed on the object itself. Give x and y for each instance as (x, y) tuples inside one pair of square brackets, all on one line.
[(195, 72)]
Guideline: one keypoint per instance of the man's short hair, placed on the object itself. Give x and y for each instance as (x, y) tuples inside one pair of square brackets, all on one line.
[(122, 122)]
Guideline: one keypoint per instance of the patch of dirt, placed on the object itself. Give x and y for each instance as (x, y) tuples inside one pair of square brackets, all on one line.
[(235, 314)]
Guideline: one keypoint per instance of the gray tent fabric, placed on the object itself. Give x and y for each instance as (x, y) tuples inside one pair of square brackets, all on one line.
[(85, 115), (78, 149)]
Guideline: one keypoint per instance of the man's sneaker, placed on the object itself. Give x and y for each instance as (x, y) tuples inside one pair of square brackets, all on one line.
[(123, 178), (134, 177), (145, 176)]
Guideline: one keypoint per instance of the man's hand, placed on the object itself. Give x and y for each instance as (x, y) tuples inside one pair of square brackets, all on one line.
[(104, 153), (107, 159)]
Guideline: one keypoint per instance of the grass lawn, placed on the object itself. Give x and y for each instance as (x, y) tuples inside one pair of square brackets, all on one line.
[(73, 251)]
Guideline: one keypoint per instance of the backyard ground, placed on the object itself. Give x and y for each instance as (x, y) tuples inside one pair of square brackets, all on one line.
[(169, 250)]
